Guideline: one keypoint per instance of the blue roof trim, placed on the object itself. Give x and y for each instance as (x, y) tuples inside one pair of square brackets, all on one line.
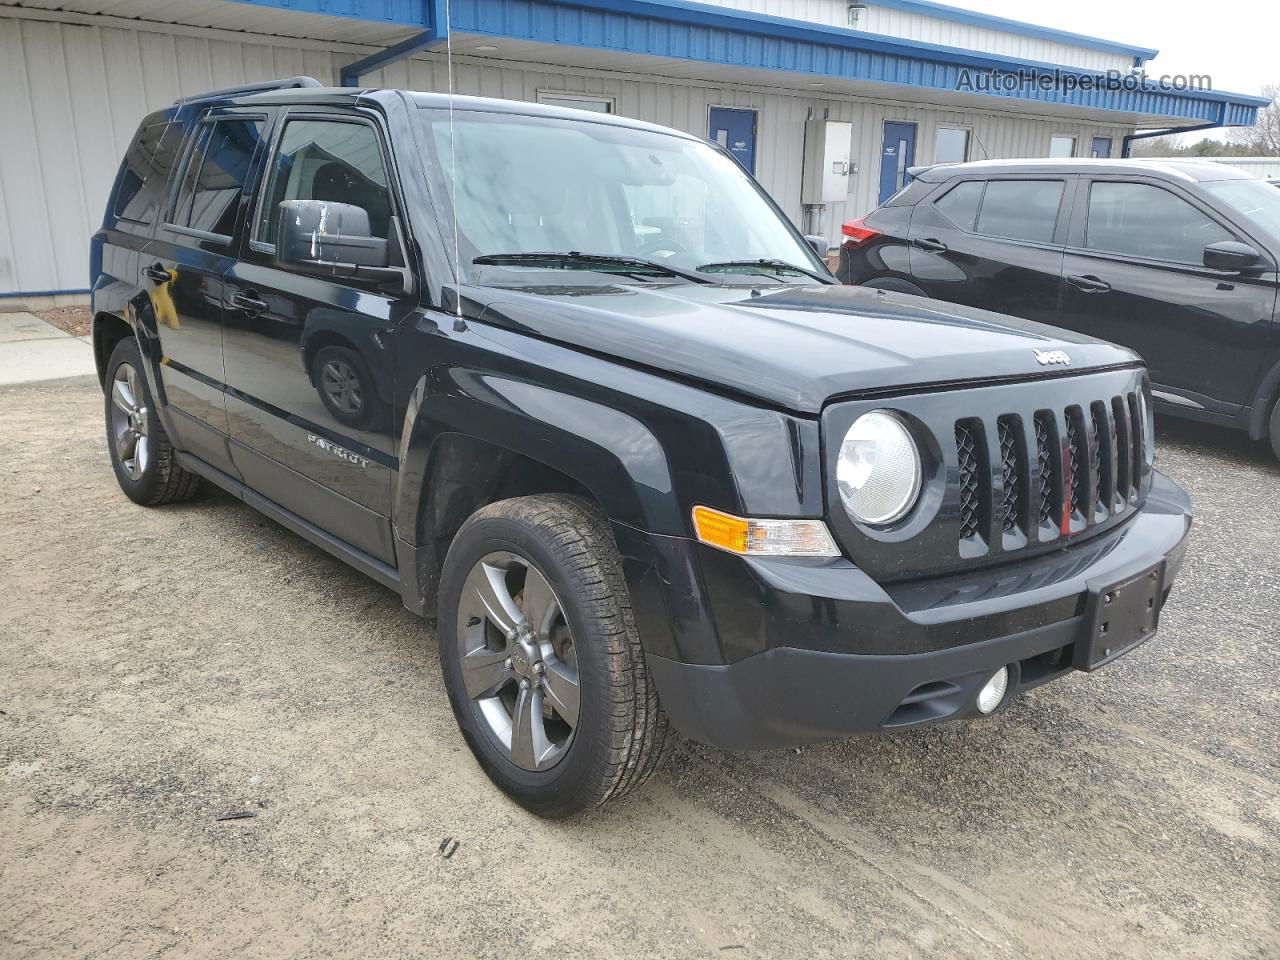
[(410, 13), (694, 31), (927, 8)]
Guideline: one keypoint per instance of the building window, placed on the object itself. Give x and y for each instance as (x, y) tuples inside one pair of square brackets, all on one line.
[(1062, 145), (577, 101), (951, 145)]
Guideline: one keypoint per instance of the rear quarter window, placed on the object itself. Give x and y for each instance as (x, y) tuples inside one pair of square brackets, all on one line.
[(1021, 209), (960, 203), (134, 201)]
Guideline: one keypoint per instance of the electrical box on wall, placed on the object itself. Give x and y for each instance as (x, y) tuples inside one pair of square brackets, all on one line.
[(828, 146)]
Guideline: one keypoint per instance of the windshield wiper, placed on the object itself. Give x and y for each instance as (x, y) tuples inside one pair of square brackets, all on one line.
[(558, 260), (766, 264)]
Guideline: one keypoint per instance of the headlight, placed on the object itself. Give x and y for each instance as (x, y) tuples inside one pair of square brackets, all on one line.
[(878, 470)]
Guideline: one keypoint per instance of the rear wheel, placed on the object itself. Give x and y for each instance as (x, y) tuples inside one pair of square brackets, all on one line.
[(542, 659), (141, 454)]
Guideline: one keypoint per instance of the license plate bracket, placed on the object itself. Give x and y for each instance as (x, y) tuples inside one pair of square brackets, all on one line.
[(1120, 617)]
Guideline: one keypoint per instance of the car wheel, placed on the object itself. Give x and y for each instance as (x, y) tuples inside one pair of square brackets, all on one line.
[(542, 659), (141, 454), (345, 384), (1275, 428)]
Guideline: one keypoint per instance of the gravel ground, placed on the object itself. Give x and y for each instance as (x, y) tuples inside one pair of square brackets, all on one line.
[(160, 669)]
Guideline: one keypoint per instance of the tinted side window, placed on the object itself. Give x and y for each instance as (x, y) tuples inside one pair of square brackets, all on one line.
[(132, 202), (960, 203), (1021, 209), (331, 160), (215, 174), (1145, 221)]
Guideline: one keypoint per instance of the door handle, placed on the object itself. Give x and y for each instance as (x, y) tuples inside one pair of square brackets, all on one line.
[(156, 273), (247, 302), (929, 244), (1089, 284)]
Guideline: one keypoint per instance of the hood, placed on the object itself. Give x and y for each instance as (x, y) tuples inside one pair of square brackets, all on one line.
[(794, 347)]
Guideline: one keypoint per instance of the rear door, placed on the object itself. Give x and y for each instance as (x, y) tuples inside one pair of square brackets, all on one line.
[(184, 265), (309, 360), (995, 244), (1134, 274)]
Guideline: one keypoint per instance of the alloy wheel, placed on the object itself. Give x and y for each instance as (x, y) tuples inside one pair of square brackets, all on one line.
[(519, 662), (342, 385), (130, 421)]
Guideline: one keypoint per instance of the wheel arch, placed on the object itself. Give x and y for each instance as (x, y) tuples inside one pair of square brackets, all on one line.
[(108, 330), (1265, 399), (462, 449)]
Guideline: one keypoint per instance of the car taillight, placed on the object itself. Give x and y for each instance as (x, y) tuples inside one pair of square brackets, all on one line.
[(858, 233)]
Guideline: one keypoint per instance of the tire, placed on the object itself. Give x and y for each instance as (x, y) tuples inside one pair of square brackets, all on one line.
[(579, 623), (151, 475), (1275, 429), (345, 385)]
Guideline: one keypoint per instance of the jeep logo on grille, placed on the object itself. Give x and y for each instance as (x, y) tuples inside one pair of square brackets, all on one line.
[(1047, 357)]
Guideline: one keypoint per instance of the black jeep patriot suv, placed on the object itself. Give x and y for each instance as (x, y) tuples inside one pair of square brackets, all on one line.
[(574, 386)]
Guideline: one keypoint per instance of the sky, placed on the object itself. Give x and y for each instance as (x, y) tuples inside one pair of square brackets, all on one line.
[(1234, 41)]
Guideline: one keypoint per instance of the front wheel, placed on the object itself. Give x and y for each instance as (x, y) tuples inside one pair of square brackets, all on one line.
[(542, 659)]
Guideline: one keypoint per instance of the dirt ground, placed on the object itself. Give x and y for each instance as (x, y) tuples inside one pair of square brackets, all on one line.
[(160, 669), (77, 321)]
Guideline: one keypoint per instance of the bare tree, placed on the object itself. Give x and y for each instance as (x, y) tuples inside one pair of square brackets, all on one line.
[(1263, 138)]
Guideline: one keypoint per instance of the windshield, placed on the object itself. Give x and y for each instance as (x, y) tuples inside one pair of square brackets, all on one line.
[(1255, 200), (546, 185)]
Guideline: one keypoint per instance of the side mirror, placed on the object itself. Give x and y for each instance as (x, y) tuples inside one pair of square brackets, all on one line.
[(819, 244), (326, 238), (1231, 255)]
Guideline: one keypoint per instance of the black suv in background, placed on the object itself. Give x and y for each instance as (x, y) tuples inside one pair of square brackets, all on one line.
[(621, 433), (1174, 259)]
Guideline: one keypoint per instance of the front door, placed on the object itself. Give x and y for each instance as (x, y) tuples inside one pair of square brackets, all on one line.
[(1101, 148), (1134, 274), (896, 154), (735, 130), (309, 359), (183, 270)]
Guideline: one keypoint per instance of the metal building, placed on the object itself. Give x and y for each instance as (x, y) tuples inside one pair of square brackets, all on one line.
[(827, 101)]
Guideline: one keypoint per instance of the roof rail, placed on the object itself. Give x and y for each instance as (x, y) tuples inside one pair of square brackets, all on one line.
[(261, 87)]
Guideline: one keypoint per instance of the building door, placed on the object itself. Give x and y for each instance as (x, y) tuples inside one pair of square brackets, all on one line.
[(735, 130), (1101, 148), (897, 153)]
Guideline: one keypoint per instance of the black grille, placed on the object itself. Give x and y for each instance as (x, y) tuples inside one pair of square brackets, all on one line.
[(1046, 480), (1013, 474), (970, 504), (1086, 469), (1079, 464)]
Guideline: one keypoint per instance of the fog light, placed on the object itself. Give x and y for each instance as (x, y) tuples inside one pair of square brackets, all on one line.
[(992, 693)]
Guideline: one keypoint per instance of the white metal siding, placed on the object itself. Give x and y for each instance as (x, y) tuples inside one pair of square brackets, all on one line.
[(1260, 168), (72, 97), (947, 33), (70, 100), (780, 133)]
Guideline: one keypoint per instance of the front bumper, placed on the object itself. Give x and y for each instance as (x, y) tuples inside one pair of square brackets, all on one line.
[(818, 650)]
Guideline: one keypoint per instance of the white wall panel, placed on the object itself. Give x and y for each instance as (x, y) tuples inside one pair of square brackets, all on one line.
[(70, 100), (71, 97)]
